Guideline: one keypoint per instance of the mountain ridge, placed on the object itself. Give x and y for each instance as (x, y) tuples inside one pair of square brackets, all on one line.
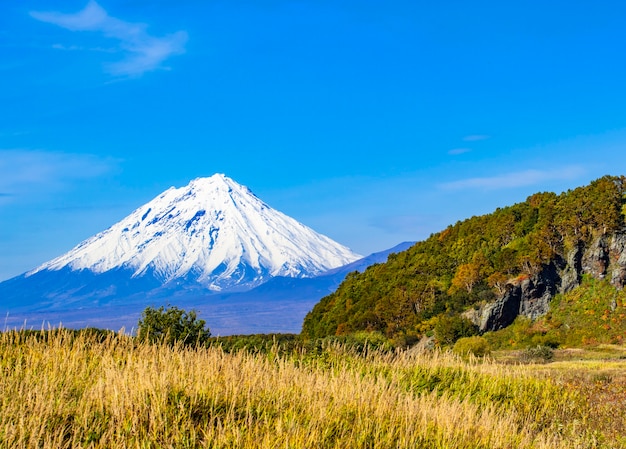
[(486, 271)]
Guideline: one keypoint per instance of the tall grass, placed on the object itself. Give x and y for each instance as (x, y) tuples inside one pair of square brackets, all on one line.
[(69, 390)]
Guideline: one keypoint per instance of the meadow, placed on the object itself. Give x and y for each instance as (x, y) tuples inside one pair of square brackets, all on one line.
[(86, 390)]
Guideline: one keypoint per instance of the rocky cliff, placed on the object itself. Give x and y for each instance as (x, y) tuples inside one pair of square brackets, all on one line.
[(530, 295)]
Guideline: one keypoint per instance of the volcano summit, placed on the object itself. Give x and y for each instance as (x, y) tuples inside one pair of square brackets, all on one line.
[(211, 236)]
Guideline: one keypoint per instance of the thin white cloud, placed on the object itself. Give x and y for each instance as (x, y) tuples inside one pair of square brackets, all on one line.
[(476, 137), (67, 47), (79, 48), (143, 52), (457, 151), (515, 179), (27, 172)]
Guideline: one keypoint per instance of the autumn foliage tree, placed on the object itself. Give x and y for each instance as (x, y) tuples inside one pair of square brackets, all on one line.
[(467, 275)]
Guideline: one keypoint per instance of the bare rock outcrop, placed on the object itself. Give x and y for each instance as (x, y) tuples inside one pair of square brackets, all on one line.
[(530, 296)]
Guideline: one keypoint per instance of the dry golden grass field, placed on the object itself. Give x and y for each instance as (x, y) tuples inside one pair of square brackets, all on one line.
[(73, 390)]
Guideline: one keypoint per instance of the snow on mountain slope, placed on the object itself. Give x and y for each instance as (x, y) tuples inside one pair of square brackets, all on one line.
[(82, 299), (214, 232)]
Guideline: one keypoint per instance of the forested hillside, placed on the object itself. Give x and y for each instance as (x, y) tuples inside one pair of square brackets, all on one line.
[(534, 249)]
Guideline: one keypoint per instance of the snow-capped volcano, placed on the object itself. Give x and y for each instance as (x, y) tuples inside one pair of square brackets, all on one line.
[(213, 232)]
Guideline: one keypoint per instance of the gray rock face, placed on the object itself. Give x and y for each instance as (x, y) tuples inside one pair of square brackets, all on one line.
[(595, 259), (617, 250), (570, 275), (538, 291), (501, 312), (531, 297)]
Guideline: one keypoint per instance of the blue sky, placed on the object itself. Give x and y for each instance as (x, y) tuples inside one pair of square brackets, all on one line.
[(371, 122)]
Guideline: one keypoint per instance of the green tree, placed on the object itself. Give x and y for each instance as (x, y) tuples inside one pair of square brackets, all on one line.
[(449, 328), (172, 325)]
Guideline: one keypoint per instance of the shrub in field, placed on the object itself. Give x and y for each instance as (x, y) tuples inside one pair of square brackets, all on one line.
[(257, 343), (537, 353), (449, 328), (476, 345), (172, 325), (549, 340), (363, 339)]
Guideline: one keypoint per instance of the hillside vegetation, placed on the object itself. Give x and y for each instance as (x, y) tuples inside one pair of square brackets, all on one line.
[(432, 285), (101, 390)]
